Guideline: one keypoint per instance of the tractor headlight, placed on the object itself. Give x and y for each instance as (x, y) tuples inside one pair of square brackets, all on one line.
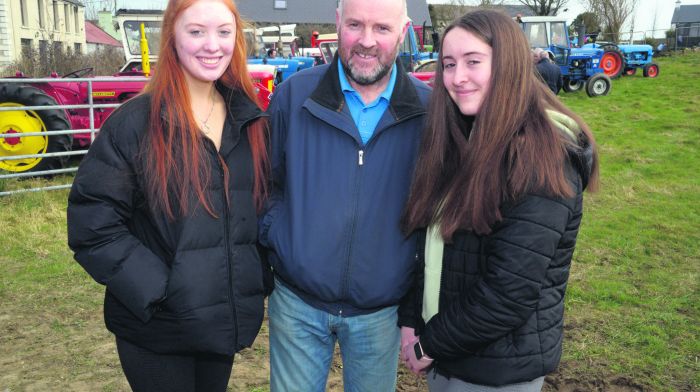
[(575, 63)]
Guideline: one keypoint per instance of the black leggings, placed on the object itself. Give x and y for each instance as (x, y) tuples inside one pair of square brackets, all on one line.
[(147, 371)]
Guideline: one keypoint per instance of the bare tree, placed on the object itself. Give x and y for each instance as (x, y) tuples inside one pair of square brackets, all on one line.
[(545, 7), (613, 14), (488, 3)]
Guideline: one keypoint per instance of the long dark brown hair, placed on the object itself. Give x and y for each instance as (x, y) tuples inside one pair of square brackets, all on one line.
[(467, 167), (175, 169)]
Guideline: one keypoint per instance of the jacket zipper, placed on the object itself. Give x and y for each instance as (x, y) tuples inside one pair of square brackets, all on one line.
[(228, 253), (360, 163)]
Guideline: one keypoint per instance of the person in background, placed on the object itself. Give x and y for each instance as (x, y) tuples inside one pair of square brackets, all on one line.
[(344, 140), (549, 72), (163, 209), (272, 53), (497, 198)]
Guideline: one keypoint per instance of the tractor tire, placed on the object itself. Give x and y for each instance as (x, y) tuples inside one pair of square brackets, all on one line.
[(651, 70), (571, 86), (20, 121), (598, 84), (613, 61), (629, 72)]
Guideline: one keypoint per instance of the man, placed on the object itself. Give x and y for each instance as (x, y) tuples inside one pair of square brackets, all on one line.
[(548, 71), (343, 142), (272, 53)]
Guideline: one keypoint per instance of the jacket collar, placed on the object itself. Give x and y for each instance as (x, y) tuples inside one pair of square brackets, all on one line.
[(240, 107), (404, 100), (241, 110)]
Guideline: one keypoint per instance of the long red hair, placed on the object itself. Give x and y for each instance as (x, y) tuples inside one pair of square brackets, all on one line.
[(174, 166)]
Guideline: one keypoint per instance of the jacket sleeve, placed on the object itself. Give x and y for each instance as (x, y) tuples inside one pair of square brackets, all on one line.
[(278, 125), (410, 306), (517, 255), (100, 205)]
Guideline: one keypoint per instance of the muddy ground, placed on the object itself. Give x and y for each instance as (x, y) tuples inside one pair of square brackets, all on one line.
[(66, 348)]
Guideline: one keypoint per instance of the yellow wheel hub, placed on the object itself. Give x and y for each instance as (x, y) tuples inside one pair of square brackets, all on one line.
[(19, 122)]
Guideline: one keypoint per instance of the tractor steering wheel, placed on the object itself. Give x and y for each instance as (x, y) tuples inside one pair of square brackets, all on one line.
[(79, 73)]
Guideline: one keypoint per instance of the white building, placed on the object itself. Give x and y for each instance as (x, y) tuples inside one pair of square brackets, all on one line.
[(40, 24)]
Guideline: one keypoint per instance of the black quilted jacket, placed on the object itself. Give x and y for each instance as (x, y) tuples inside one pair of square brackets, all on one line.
[(192, 285), (501, 302)]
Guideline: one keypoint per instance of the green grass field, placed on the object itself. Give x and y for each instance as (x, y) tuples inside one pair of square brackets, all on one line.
[(633, 307)]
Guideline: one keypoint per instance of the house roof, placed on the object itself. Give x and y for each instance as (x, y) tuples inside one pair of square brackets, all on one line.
[(446, 13), (314, 11), (686, 14), (95, 35), (76, 2)]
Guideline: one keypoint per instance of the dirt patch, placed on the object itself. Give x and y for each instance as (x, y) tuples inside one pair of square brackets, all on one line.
[(50, 347), (560, 383)]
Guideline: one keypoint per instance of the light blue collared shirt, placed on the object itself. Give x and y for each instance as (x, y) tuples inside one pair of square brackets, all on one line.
[(366, 117)]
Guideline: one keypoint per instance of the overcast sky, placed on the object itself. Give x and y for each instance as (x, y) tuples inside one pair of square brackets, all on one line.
[(645, 14)]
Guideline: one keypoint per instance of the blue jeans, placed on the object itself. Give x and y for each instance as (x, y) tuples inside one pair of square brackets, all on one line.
[(302, 340)]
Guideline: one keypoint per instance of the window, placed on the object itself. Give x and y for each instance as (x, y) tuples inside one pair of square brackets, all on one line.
[(43, 49), (536, 34), (55, 15), (75, 19), (559, 34), (66, 16), (132, 30), (57, 50), (280, 4), (40, 4), (23, 11), (77, 47), (26, 45), (694, 30)]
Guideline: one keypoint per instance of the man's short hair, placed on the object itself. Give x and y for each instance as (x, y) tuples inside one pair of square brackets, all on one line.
[(403, 2), (537, 53)]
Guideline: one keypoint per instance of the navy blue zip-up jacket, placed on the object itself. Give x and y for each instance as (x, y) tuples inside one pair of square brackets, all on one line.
[(333, 220)]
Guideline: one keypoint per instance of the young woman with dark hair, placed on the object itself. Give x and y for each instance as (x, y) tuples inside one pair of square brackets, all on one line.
[(498, 195), (163, 209)]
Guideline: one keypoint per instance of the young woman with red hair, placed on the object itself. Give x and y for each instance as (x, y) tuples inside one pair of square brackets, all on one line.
[(163, 210)]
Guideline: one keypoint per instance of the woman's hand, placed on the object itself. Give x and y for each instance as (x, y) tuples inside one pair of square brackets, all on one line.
[(412, 362), (408, 337)]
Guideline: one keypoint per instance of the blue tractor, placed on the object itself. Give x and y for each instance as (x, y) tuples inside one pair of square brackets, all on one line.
[(579, 67), (626, 59)]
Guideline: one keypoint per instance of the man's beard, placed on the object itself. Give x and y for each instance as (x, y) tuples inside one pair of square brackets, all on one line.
[(372, 77)]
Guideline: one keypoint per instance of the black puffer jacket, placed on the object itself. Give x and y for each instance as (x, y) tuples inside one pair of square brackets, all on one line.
[(501, 301), (192, 285)]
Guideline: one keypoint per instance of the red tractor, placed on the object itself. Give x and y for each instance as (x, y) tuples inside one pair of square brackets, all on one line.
[(53, 121)]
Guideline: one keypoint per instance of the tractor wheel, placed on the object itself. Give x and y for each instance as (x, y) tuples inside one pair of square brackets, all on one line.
[(629, 72), (571, 86), (599, 84), (21, 121), (613, 61), (651, 70)]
